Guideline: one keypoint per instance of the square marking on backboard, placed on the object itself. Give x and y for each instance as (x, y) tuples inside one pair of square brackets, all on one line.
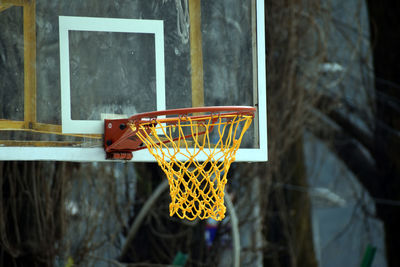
[(69, 23)]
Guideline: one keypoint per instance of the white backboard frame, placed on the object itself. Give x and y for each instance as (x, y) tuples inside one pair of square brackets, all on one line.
[(80, 154)]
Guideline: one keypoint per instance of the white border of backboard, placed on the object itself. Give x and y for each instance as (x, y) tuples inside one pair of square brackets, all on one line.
[(70, 23), (261, 154)]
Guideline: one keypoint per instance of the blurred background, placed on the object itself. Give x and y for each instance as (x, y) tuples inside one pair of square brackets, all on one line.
[(328, 196)]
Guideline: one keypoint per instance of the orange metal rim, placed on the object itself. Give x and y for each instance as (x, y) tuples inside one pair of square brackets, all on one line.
[(220, 111)]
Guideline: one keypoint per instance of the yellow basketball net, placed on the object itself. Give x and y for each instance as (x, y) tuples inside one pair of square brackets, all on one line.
[(195, 153)]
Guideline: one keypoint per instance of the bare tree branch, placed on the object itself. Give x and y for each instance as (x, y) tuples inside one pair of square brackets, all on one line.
[(141, 216), (352, 154)]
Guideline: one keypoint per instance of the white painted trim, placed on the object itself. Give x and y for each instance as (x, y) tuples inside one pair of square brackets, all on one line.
[(262, 83), (66, 24), (77, 154)]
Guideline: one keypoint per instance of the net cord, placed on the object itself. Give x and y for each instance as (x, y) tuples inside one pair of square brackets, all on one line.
[(196, 188)]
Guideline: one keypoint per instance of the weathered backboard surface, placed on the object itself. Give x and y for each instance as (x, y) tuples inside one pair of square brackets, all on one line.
[(65, 66)]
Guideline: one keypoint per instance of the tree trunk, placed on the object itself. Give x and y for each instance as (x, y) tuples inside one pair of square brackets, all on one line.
[(384, 22), (289, 230), (287, 213)]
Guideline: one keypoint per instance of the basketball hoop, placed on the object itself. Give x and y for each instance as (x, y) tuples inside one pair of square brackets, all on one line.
[(179, 138)]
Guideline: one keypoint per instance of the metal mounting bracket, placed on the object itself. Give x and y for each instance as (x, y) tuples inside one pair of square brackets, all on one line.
[(120, 140)]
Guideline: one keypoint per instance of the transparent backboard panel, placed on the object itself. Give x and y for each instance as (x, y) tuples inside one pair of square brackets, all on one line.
[(65, 66)]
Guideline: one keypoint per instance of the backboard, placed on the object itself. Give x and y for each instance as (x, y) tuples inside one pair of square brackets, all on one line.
[(65, 66)]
